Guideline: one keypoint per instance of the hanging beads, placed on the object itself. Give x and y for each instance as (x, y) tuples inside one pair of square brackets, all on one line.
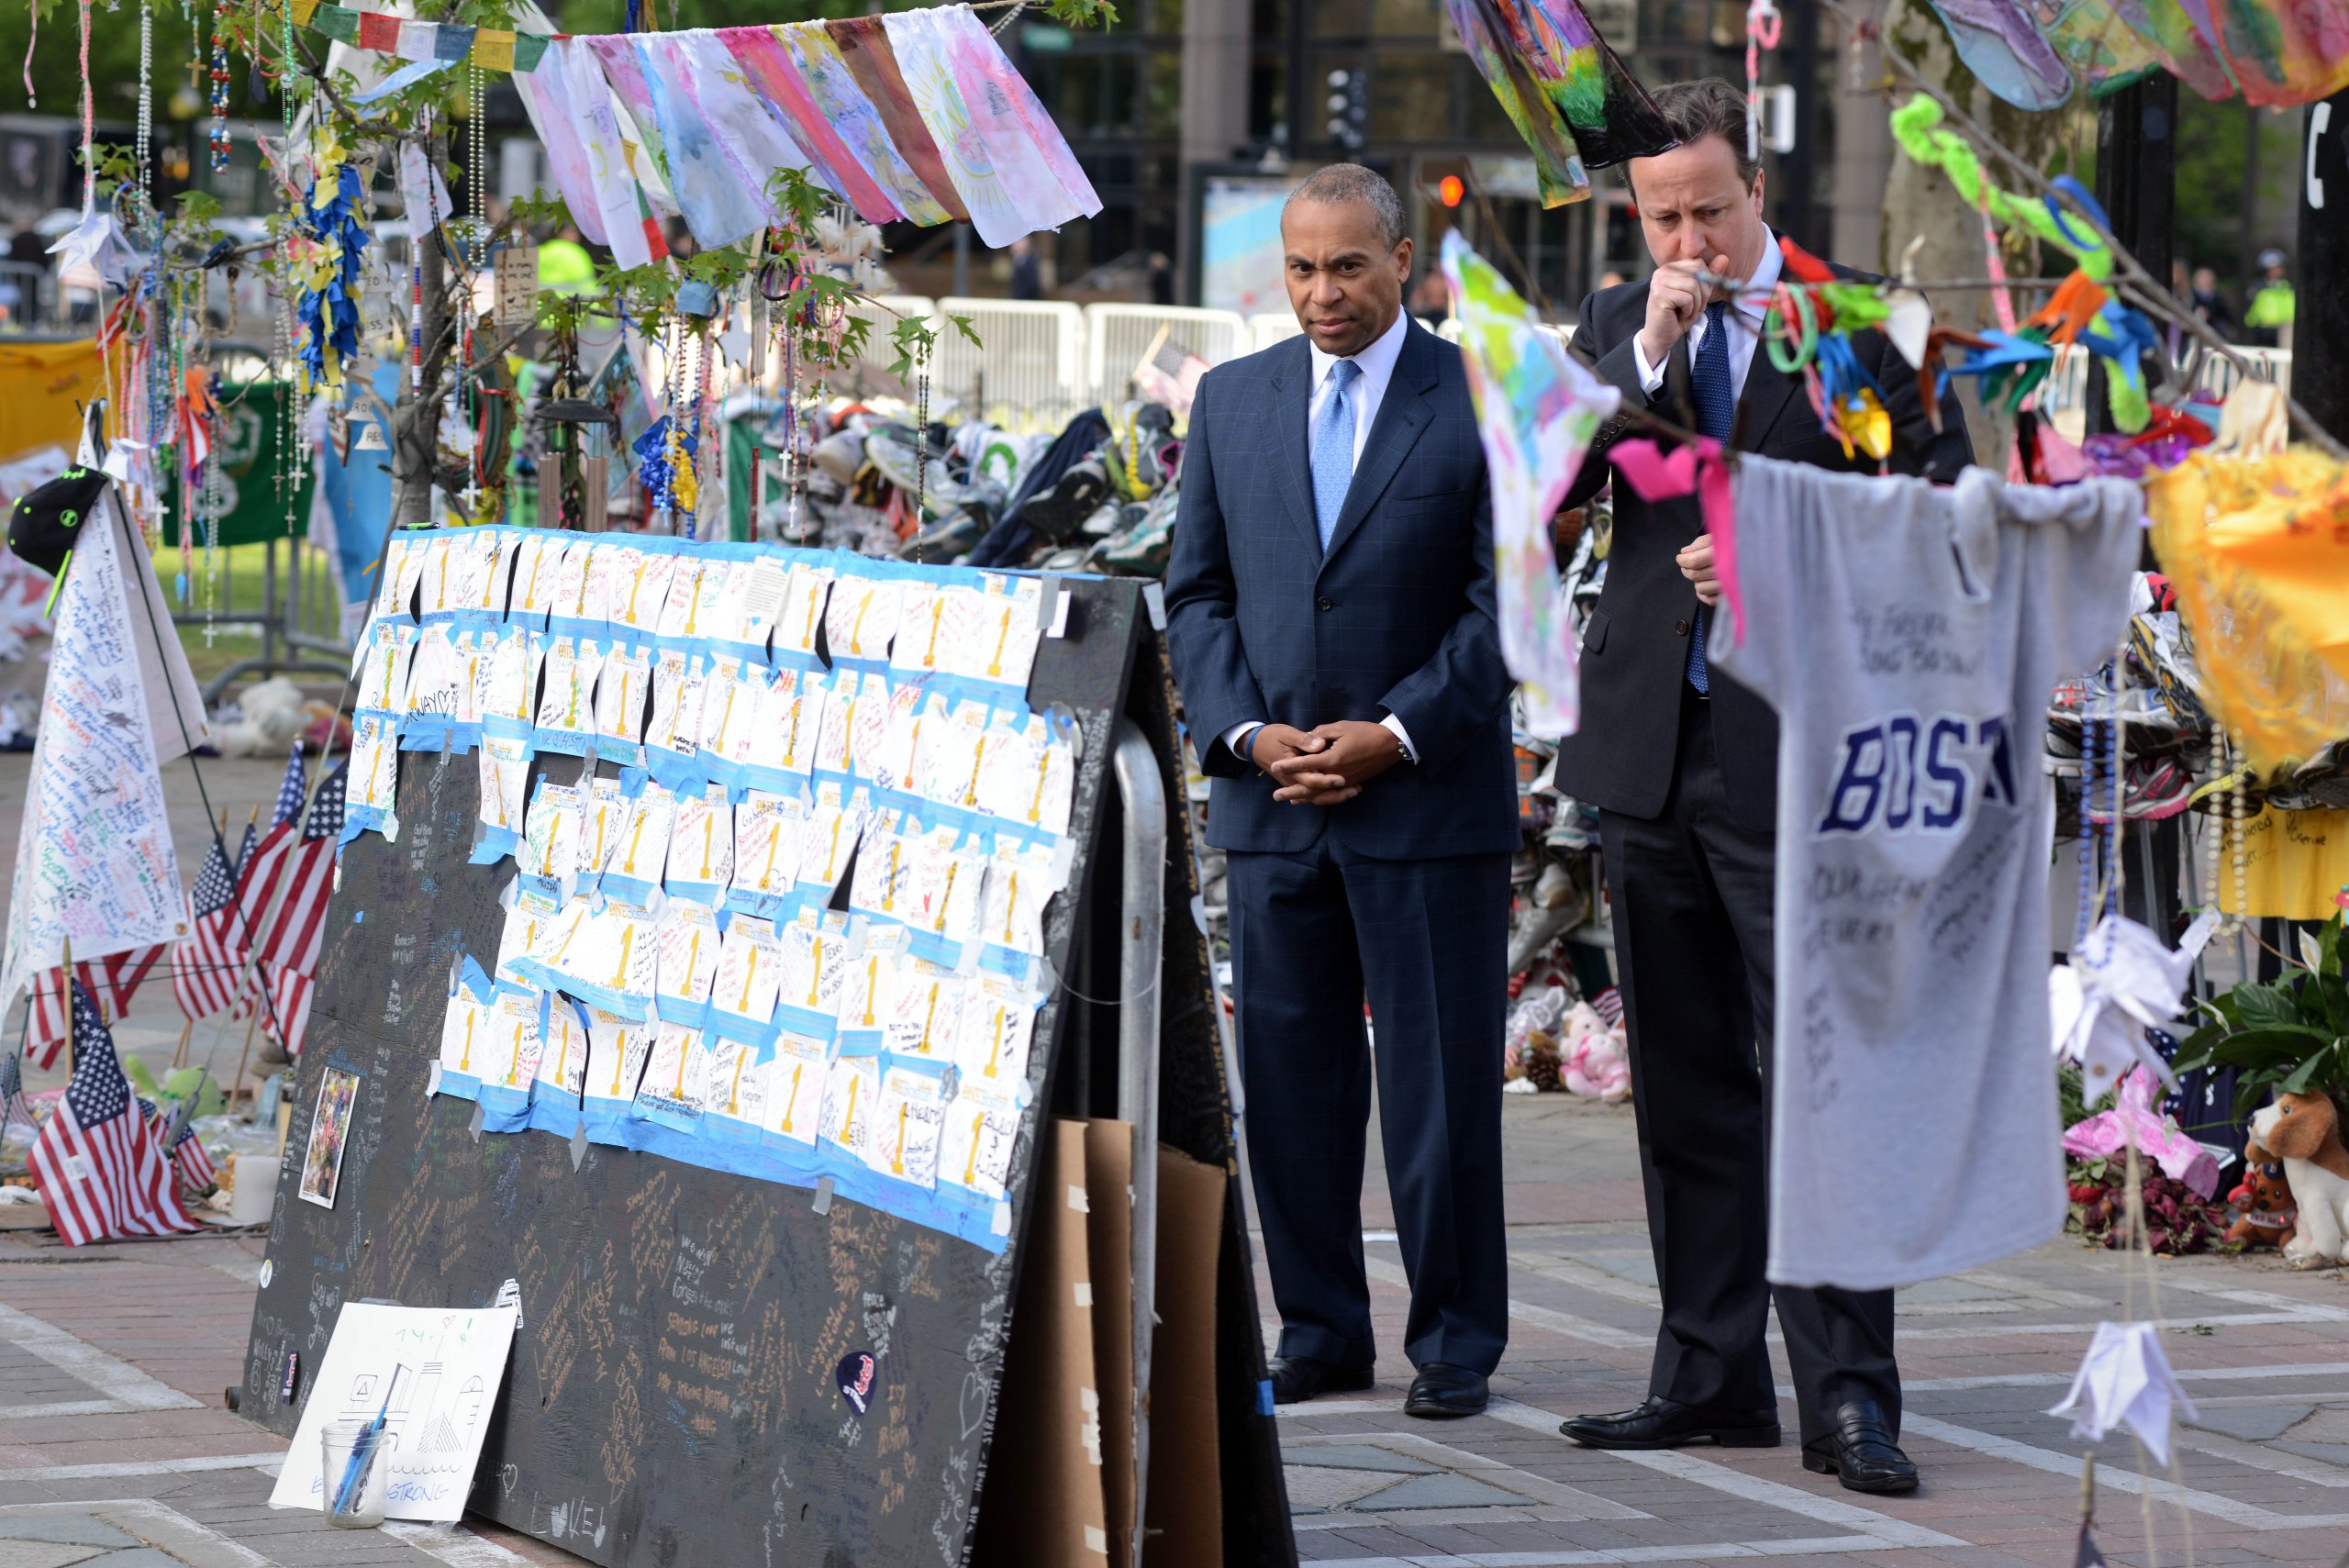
[(2238, 813), (220, 87)]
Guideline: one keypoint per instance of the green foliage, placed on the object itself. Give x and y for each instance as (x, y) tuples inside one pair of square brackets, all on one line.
[(2289, 1036)]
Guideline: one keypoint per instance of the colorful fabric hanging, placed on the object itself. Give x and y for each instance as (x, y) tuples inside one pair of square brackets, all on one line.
[(863, 43), (1537, 410), (556, 119), (2094, 40), (931, 79), (1557, 161), (719, 206), (327, 310), (1571, 100), (2000, 43), (851, 113), (770, 67), (976, 46), (2255, 549), (1037, 195)]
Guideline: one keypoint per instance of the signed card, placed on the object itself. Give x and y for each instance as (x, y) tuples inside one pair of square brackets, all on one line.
[(620, 695), (978, 1140), (749, 972), (804, 591), (768, 830), (689, 944), (674, 1090), (906, 1127), (851, 1090), (997, 1029), (795, 1088), (862, 617), (701, 846)]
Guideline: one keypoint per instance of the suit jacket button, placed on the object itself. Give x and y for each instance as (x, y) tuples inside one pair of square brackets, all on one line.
[(1680, 629), (1324, 602)]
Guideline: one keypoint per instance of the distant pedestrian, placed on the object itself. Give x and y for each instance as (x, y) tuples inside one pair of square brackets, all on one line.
[(2270, 315), (2212, 306), (1027, 272)]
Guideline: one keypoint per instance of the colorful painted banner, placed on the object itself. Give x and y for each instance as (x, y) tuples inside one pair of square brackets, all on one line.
[(1537, 410)]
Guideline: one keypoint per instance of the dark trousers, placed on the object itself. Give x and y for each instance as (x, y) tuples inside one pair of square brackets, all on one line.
[(1693, 893), (1426, 942)]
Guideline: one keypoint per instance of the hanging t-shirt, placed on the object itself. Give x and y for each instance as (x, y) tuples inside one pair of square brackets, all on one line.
[(1909, 636)]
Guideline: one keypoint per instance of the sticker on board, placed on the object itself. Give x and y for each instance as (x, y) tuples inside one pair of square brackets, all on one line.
[(855, 1377)]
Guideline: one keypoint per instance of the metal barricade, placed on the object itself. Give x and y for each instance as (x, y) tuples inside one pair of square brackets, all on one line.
[(1272, 326), (1027, 371), (1118, 336)]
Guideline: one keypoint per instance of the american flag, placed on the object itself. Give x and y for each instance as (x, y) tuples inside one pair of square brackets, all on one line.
[(256, 870), (204, 975), (99, 1164), (290, 952), (115, 977), (176, 1137), (1608, 1005)]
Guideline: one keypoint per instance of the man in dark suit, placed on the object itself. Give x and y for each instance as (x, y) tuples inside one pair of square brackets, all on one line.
[(1682, 764), (1329, 611)]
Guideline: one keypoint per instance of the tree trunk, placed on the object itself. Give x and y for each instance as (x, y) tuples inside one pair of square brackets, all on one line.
[(1921, 203), (415, 419)]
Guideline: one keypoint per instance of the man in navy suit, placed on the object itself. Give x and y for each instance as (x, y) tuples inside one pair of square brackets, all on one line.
[(1329, 612)]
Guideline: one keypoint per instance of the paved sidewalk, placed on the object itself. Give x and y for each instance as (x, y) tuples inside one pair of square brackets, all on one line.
[(115, 1449)]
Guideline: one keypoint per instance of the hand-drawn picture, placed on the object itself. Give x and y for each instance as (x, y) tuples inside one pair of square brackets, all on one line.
[(322, 1163), (424, 1377)]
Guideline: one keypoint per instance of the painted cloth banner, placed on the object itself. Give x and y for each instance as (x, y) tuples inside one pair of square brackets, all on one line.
[(1537, 410), (95, 863)]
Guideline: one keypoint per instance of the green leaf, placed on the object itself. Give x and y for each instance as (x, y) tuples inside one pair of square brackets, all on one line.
[(2194, 1050), (2259, 1006), (2328, 947), (2306, 1072), (962, 325), (2281, 1047)]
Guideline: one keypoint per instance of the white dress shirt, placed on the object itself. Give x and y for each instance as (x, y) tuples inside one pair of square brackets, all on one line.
[(1751, 305), (1376, 360)]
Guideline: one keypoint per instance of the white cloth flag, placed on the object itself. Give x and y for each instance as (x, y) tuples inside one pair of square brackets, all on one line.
[(95, 863)]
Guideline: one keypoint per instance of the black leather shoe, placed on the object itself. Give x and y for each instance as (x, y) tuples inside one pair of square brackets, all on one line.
[(1441, 1393), (1860, 1451), (1297, 1378), (1658, 1422)]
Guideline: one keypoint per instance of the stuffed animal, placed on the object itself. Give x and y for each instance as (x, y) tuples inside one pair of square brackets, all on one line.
[(2304, 1132), (2265, 1199), (1597, 1063)]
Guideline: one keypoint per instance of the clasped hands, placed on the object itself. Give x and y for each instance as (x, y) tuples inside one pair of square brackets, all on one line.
[(1327, 765)]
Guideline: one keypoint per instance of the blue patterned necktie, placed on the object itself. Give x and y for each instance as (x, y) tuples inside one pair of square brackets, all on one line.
[(1716, 410), (1334, 449)]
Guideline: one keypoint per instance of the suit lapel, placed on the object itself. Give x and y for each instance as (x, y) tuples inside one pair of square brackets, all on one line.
[(1767, 389), (1402, 413), (1292, 392)]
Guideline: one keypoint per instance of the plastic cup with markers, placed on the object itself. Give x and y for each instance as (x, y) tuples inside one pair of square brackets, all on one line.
[(357, 1471)]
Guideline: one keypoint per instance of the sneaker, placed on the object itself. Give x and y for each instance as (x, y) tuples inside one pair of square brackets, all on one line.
[(2325, 777), (952, 537), (2158, 788), (839, 456), (1059, 514)]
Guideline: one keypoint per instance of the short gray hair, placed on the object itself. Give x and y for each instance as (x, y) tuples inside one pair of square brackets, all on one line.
[(1352, 183)]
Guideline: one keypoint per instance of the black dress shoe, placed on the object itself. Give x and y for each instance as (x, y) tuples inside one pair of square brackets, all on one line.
[(1301, 1377), (1658, 1422), (1441, 1393), (1860, 1451)]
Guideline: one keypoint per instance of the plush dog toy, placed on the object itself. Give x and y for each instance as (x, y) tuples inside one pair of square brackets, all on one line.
[(2304, 1132), (2265, 1200)]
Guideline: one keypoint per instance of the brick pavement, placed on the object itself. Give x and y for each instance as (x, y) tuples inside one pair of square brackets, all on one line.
[(113, 1361)]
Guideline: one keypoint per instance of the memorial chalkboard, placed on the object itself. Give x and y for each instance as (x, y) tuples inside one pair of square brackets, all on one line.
[(689, 1384)]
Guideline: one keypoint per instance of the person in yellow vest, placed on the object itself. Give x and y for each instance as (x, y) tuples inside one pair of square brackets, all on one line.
[(565, 266), (2270, 315)]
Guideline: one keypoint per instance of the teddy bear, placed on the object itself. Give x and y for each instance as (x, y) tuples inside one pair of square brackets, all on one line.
[(2304, 1133), (2265, 1198), (1597, 1062)]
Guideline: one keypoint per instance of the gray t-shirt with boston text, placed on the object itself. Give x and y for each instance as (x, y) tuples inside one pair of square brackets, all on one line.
[(1908, 637)]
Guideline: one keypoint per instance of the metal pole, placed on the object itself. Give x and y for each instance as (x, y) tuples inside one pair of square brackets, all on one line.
[(2320, 324), (1140, 964), (269, 607), (962, 261), (2136, 181)]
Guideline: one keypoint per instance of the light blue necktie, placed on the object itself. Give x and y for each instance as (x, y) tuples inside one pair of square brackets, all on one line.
[(1716, 412), (1334, 449)]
